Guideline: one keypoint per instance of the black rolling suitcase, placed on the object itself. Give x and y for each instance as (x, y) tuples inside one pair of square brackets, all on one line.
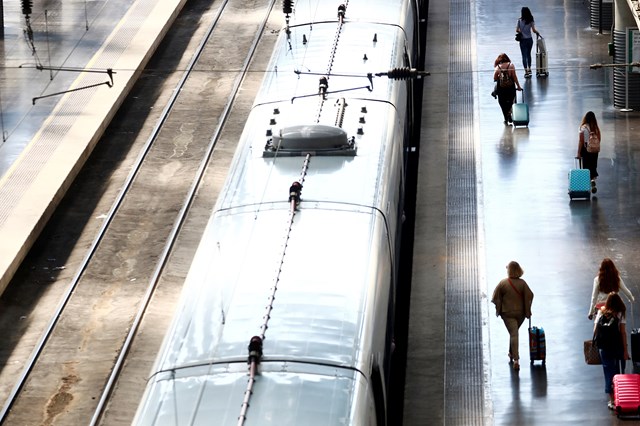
[(635, 348), (635, 343)]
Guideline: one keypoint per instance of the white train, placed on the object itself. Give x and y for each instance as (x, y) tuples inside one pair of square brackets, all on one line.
[(306, 272)]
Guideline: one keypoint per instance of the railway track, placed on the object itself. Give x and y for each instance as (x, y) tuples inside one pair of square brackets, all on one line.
[(114, 296)]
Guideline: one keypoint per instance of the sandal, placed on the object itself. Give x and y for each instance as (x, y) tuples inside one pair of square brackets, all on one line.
[(516, 365), (611, 406)]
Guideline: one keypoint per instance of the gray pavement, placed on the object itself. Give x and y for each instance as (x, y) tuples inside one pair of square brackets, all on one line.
[(65, 37)]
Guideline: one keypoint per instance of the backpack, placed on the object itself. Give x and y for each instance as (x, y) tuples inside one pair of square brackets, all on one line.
[(593, 144), (504, 80), (607, 335)]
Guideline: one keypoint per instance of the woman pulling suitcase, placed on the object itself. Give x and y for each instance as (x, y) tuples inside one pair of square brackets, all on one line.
[(610, 337), (513, 298), (506, 85)]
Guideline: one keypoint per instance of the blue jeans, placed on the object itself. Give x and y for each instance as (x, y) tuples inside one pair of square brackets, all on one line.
[(612, 364), (526, 44)]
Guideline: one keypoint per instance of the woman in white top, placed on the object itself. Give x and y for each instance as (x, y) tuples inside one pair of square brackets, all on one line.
[(525, 26), (588, 125), (607, 281)]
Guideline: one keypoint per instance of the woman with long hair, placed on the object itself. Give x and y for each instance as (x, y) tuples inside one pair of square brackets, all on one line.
[(610, 337), (588, 125), (607, 281), (506, 84), (525, 26)]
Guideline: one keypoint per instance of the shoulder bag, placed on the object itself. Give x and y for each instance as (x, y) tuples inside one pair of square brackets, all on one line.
[(591, 353)]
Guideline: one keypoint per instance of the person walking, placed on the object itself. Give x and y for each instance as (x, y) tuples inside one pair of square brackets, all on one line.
[(607, 281), (507, 83), (589, 146), (610, 337), (513, 297), (525, 26)]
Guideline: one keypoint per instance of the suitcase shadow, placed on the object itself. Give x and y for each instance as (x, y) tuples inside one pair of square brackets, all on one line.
[(538, 381), (507, 149)]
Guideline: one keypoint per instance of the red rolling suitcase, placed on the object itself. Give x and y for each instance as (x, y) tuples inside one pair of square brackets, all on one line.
[(626, 394)]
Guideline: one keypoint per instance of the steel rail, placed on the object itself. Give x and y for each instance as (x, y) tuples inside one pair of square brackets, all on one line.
[(180, 219), (108, 220)]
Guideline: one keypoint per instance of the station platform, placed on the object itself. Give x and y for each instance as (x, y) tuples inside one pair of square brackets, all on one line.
[(489, 193), (94, 53)]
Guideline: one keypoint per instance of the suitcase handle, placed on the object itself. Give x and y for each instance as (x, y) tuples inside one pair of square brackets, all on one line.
[(578, 162)]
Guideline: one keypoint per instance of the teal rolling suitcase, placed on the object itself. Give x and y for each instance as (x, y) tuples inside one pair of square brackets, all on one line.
[(579, 182), (520, 112)]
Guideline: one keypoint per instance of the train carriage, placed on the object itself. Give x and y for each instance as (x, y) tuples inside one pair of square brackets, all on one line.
[(299, 281)]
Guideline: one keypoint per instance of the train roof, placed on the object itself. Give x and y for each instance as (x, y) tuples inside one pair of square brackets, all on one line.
[(390, 12), (326, 325), (283, 394), (316, 333), (359, 115), (324, 286)]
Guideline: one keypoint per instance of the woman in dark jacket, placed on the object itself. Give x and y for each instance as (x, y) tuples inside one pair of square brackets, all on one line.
[(611, 345), (513, 297)]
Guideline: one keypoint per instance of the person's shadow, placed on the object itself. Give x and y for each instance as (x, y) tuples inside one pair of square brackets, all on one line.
[(516, 413)]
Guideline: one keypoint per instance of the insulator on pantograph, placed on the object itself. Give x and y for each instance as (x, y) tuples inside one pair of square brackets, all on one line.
[(403, 73), (287, 6), (27, 6)]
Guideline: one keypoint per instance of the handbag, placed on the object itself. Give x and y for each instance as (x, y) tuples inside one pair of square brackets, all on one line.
[(518, 36), (591, 353)]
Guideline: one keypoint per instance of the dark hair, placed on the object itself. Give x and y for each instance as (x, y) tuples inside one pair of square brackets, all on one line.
[(614, 305), (526, 16), (608, 276), (590, 120)]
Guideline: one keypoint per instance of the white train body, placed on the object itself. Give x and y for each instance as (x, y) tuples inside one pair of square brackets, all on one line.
[(317, 283)]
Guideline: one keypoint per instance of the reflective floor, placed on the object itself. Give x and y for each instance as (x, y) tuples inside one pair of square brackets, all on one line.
[(524, 213)]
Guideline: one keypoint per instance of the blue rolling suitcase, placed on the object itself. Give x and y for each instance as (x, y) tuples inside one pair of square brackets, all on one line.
[(579, 182), (520, 112), (537, 344)]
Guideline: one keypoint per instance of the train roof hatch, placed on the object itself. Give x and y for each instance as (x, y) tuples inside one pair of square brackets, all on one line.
[(314, 139)]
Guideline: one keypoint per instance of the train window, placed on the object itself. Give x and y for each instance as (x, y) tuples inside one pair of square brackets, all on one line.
[(316, 139)]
